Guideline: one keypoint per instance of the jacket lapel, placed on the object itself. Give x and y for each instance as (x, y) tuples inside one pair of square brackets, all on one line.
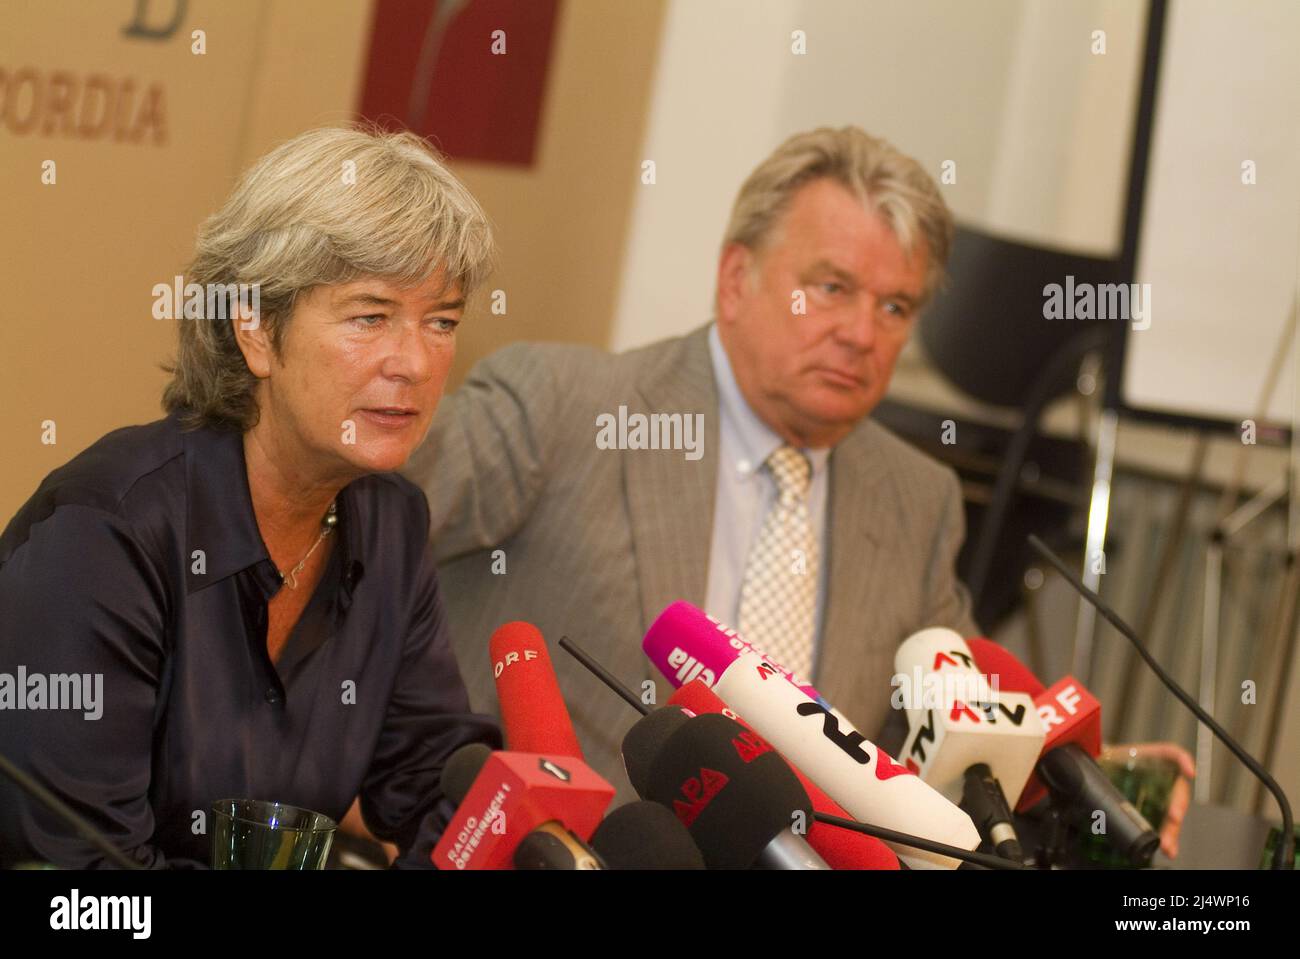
[(670, 498), (861, 520)]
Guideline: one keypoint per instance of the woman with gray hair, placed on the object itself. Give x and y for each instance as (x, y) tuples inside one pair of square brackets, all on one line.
[(245, 588)]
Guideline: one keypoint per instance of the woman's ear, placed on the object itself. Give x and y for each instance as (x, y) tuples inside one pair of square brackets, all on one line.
[(255, 343)]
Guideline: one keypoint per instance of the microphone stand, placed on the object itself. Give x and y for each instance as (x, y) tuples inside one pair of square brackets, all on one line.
[(1283, 852)]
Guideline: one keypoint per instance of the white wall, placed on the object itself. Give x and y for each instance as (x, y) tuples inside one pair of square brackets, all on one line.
[(1222, 257), (1008, 89)]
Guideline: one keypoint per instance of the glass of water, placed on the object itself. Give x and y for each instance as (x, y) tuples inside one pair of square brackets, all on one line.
[(253, 834)]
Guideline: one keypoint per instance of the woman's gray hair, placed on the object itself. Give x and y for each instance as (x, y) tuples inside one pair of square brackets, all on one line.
[(329, 206), (882, 177)]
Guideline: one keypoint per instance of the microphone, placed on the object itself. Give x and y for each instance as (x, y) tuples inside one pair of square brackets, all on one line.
[(888, 835), (1072, 719), (863, 779), (977, 746), (685, 643), (840, 848), (734, 794), (645, 835), (937, 664), (525, 810), (533, 715), (1282, 854), (643, 742)]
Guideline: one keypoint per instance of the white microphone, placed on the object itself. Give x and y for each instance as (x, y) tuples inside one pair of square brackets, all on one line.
[(863, 779), (978, 746)]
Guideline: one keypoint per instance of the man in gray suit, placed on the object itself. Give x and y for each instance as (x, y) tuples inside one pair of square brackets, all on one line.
[(789, 514)]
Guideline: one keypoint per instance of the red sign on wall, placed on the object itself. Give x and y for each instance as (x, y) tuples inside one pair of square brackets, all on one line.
[(468, 74)]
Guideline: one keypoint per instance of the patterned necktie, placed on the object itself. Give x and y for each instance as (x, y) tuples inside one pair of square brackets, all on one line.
[(778, 598)]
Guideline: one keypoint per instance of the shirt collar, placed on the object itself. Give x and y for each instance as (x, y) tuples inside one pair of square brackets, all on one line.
[(221, 524), (755, 440)]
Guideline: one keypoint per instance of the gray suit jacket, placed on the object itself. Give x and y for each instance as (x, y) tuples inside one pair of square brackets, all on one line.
[(594, 543)]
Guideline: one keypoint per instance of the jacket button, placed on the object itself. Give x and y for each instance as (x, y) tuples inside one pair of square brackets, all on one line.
[(272, 696)]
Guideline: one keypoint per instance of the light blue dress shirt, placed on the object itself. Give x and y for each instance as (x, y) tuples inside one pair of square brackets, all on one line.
[(745, 492)]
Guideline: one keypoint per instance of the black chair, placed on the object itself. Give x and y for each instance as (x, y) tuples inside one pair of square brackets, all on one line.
[(986, 334)]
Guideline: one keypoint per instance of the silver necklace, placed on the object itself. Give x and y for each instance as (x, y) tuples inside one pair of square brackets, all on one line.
[(327, 525)]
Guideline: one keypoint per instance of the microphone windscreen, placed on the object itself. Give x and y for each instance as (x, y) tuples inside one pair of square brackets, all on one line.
[(729, 787), (462, 768), (1001, 665), (533, 715), (643, 742), (645, 835), (841, 848)]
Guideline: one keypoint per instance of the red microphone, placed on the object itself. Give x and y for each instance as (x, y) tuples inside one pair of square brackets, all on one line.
[(1070, 713), (533, 715), (1066, 766), (519, 798), (841, 848)]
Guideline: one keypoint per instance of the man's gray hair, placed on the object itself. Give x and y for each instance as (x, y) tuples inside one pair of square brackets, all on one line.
[(329, 206), (883, 178)]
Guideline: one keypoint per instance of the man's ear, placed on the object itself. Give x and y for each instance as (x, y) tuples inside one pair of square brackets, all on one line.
[(735, 280), (255, 343)]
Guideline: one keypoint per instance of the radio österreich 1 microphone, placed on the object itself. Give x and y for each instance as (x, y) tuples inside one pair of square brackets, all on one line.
[(520, 810)]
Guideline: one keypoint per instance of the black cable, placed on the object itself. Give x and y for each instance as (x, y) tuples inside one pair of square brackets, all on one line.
[(906, 839), (30, 785), (603, 674)]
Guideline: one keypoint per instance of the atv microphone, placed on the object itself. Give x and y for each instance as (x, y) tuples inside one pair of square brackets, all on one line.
[(976, 744)]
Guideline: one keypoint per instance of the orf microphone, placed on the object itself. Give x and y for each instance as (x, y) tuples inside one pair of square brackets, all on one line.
[(1072, 719), (533, 715)]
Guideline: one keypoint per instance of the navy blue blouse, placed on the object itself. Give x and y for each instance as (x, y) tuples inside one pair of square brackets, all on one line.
[(138, 569)]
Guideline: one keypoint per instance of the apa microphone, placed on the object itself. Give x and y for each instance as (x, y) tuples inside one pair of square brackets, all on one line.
[(860, 777), (533, 715), (523, 810), (1072, 719), (976, 745), (729, 788), (840, 848), (645, 835)]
